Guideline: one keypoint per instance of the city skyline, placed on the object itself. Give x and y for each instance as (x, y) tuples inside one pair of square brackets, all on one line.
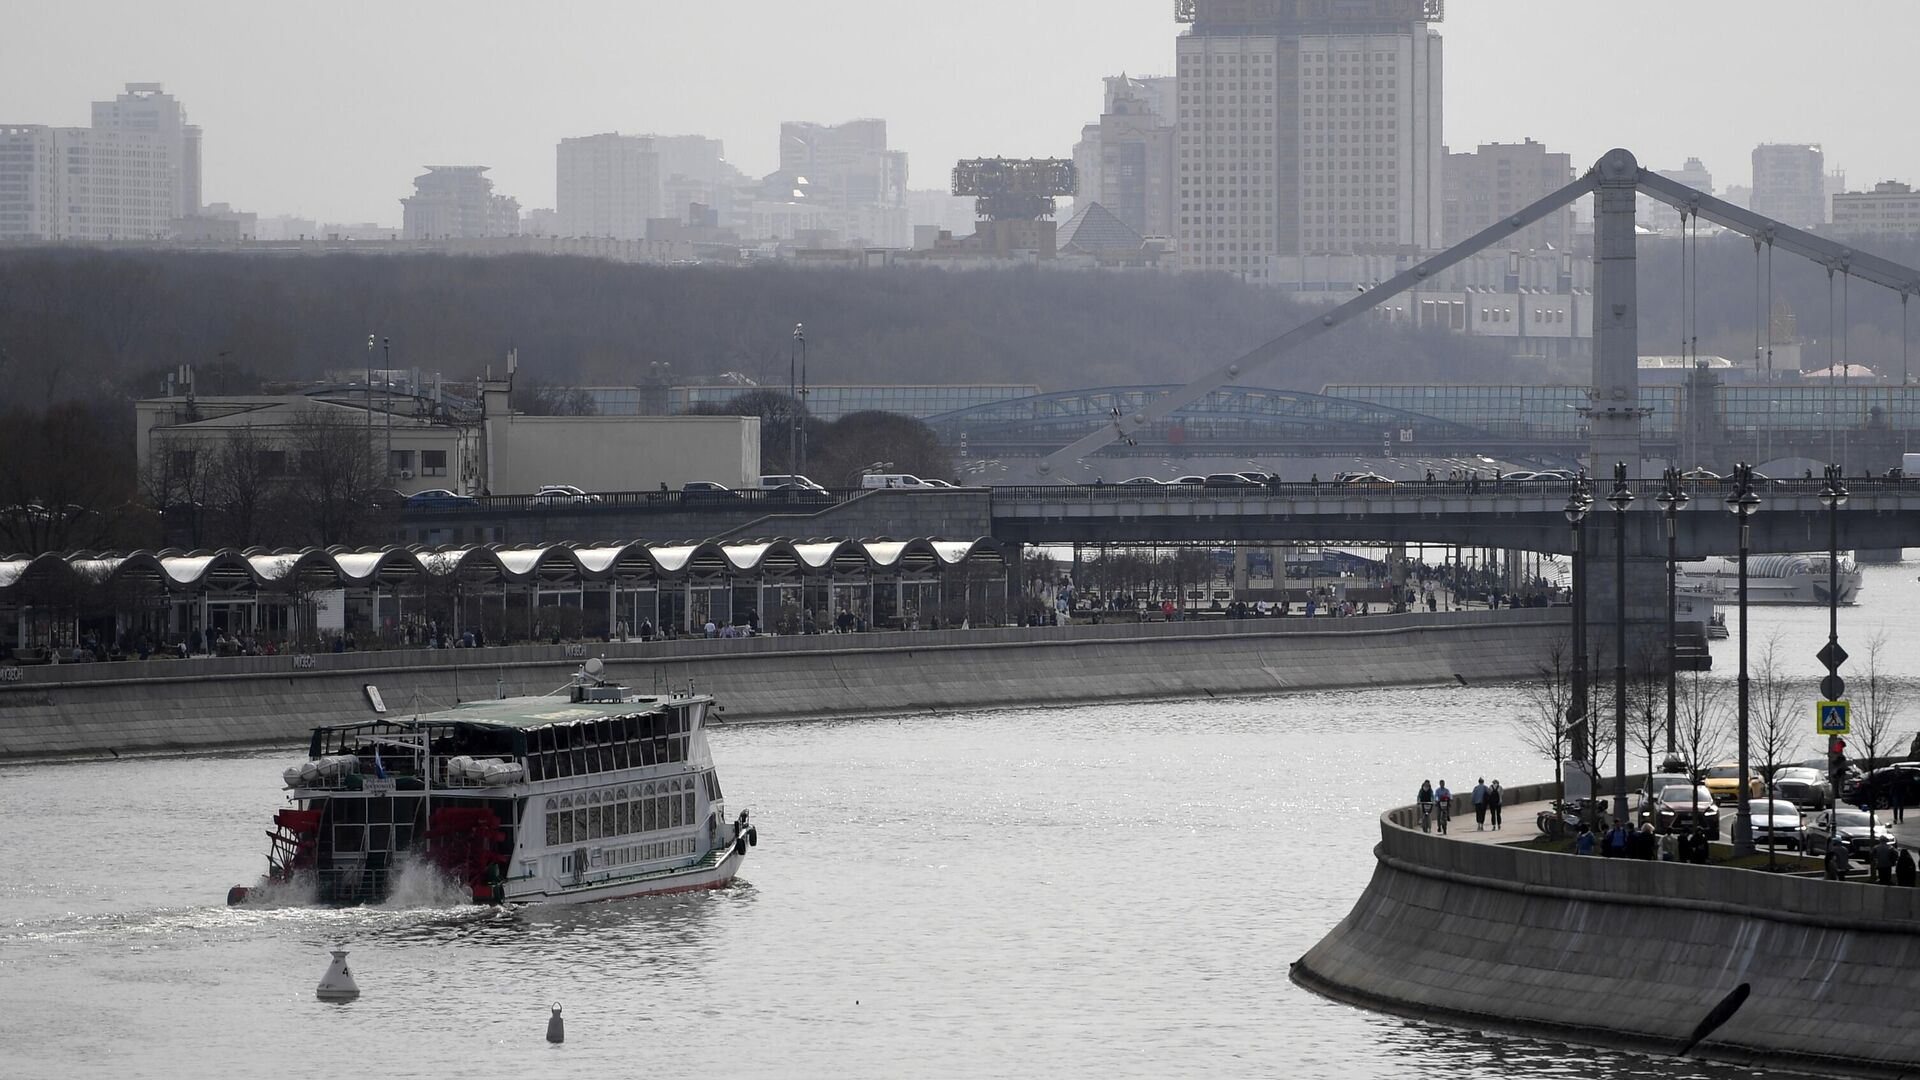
[(337, 153)]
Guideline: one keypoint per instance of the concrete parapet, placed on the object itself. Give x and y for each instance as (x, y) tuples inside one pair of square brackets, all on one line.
[(1631, 953), (172, 704)]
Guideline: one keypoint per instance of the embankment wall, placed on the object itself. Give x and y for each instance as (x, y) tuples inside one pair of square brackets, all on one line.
[(172, 705), (1633, 954)]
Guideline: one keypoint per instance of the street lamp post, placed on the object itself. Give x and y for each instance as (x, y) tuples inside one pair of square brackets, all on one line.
[(803, 397), (1620, 498), (1742, 503), (793, 397), (1672, 499), (1834, 496), (1578, 503)]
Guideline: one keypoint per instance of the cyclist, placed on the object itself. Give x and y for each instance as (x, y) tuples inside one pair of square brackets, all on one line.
[(1426, 805), (1443, 805)]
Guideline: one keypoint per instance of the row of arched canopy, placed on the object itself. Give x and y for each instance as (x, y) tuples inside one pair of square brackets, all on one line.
[(549, 565)]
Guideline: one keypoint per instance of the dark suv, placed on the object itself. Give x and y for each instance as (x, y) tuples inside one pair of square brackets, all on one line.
[(1674, 807), (1877, 787)]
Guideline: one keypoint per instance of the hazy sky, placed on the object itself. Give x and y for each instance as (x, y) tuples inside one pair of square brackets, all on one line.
[(327, 110)]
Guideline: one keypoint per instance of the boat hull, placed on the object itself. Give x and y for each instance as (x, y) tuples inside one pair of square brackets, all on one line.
[(659, 883)]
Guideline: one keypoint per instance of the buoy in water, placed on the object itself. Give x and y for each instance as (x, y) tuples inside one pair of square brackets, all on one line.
[(337, 984), (556, 1027)]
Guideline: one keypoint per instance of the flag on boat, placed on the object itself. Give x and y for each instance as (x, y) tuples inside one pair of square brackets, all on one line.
[(379, 767)]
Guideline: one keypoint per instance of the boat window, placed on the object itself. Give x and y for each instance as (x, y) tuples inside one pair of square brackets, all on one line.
[(629, 728), (577, 748), (647, 813), (713, 779), (553, 823), (618, 751), (678, 819), (691, 815), (647, 754), (566, 821), (590, 735), (678, 748), (579, 823), (620, 819), (536, 765)]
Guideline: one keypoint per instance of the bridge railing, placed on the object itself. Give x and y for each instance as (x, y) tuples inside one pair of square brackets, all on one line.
[(1644, 490)]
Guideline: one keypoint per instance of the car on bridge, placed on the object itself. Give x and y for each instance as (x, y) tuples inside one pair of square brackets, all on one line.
[(707, 491), (439, 499), (1858, 831), (554, 494), (1675, 807), (1776, 823), (1363, 479), (1228, 480), (1144, 481), (1802, 786)]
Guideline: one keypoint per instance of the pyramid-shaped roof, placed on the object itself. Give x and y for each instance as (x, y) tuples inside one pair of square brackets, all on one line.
[(1094, 230)]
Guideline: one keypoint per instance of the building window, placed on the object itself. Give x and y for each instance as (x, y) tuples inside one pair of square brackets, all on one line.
[(432, 462), (399, 461)]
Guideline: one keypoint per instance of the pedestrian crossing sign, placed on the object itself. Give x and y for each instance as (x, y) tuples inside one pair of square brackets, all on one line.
[(1833, 718)]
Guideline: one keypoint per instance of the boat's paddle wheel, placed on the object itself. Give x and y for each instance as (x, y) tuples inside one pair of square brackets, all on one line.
[(461, 842), (295, 837)]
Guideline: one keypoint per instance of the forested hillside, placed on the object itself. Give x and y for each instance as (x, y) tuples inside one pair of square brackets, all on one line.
[(86, 325)]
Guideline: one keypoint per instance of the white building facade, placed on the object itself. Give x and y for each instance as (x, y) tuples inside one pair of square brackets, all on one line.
[(607, 186), (1301, 132), (1891, 209), (128, 177)]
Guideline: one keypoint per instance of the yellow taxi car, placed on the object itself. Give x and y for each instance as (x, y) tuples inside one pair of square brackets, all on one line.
[(1723, 781)]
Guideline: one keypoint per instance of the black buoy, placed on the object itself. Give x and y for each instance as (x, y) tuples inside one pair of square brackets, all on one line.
[(1721, 1013), (556, 1027)]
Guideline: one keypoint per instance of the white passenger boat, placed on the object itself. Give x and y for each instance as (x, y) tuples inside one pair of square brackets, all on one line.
[(597, 796), (1771, 579)]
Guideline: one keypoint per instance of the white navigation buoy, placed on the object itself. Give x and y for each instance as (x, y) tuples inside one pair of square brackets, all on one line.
[(556, 1028), (337, 984)]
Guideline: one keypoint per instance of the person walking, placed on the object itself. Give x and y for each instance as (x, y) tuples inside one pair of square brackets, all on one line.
[(1904, 870), (1442, 806), (1583, 844), (1896, 802), (1884, 857), (1480, 805), (1493, 804), (1615, 846), (1425, 801)]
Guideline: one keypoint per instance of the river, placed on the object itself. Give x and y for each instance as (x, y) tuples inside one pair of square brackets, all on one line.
[(1098, 891)]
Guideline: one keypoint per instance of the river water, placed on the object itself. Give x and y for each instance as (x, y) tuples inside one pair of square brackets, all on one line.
[(1100, 891)]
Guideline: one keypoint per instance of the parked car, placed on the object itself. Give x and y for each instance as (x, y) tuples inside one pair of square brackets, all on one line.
[(1723, 780), (1856, 830), (1776, 823), (936, 482), (1676, 804), (706, 491), (890, 480), (438, 499), (1802, 786), (1227, 480), (563, 493), (788, 481), (1657, 783), (1144, 481), (1878, 787), (1363, 479), (1190, 478)]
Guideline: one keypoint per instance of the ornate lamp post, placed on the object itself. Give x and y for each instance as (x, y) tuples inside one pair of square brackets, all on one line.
[(793, 398), (1672, 499), (1742, 503), (1620, 498), (1833, 496), (1578, 503)]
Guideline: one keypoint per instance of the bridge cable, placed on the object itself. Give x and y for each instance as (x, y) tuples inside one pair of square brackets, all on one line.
[(1769, 317), (1846, 352)]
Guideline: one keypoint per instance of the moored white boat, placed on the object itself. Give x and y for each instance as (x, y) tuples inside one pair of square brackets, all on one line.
[(599, 796)]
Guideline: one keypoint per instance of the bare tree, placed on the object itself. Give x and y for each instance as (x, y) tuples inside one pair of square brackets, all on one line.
[(1774, 706), (1647, 706), (1879, 697), (1542, 728), (1700, 725), (242, 478), (334, 476)]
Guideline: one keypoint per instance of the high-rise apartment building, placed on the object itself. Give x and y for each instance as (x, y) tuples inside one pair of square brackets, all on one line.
[(1890, 210), (849, 164), (148, 108), (1136, 141), (128, 177), (456, 202), (1790, 183), (1497, 179), (607, 186), (1306, 127)]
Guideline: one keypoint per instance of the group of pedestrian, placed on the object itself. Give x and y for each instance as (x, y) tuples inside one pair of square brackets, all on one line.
[(1486, 805), (1887, 864)]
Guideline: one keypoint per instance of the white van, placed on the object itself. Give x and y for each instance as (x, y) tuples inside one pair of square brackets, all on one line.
[(891, 480)]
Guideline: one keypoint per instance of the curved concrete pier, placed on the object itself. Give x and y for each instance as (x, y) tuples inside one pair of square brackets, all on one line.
[(1630, 954)]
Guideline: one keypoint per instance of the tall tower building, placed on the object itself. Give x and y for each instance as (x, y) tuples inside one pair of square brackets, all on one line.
[(1136, 141), (148, 108), (1790, 183), (1306, 127), (607, 186), (456, 202)]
